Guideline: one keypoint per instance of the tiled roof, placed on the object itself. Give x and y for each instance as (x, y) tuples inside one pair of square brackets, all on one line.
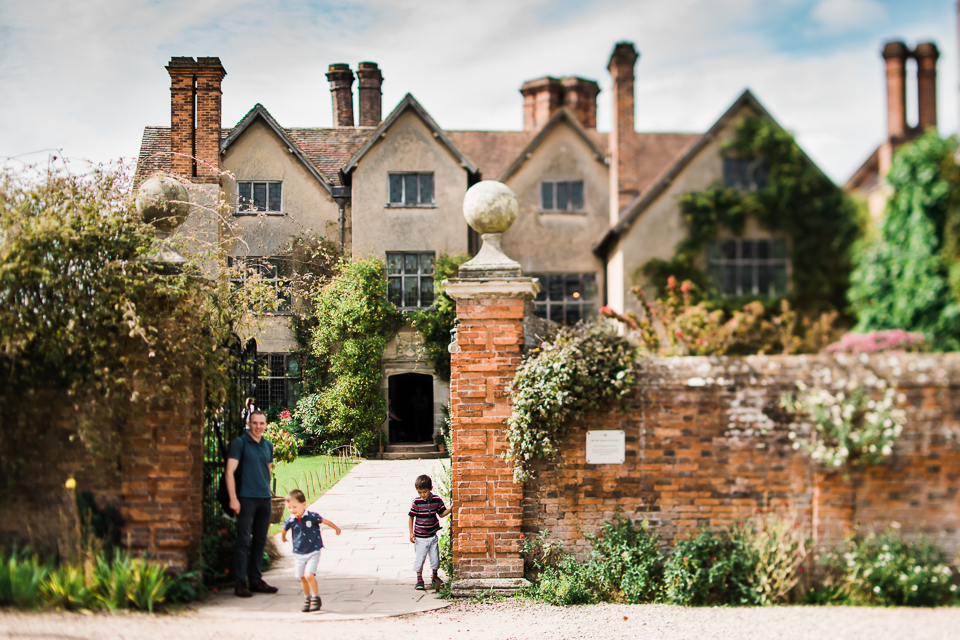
[(491, 151), (657, 152), (154, 153), (329, 149)]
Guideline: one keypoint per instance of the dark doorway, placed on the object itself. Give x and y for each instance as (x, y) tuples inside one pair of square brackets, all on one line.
[(411, 400)]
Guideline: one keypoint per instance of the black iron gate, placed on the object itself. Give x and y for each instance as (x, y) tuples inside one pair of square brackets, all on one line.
[(224, 423)]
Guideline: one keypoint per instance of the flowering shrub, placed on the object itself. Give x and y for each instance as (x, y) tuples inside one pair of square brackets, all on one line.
[(875, 341), (286, 447), (673, 326), (582, 369), (887, 570), (848, 426)]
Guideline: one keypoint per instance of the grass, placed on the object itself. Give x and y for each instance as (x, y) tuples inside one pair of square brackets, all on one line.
[(312, 474)]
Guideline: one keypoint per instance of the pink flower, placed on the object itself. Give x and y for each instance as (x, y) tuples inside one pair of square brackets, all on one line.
[(671, 282), (606, 310), (285, 415), (678, 333), (686, 286)]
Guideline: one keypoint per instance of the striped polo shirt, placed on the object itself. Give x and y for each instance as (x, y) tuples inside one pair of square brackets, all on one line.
[(424, 512)]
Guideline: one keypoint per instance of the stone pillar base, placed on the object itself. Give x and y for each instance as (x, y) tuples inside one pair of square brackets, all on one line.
[(497, 586)]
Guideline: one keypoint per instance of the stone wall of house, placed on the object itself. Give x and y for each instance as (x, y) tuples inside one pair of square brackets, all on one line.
[(707, 444), (156, 481)]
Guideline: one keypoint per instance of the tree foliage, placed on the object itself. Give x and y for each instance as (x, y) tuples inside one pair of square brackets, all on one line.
[(908, 275), (797, 199), (86, 314)]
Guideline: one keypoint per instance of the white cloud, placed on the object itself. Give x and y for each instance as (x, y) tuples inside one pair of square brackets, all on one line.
[(87, 77), (841, 15)]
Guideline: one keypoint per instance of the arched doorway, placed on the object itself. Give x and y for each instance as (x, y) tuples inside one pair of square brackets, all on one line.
[(411, 399)]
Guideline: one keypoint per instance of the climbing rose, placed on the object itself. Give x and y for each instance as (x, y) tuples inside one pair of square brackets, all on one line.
[(671, 282), (678, 333)]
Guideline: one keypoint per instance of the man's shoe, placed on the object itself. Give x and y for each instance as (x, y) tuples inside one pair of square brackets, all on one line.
[(241, 590), (315, 603), (306, 604), (420, 586), (262, 587)]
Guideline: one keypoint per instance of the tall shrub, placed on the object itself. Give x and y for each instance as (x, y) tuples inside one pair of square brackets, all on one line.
[(354, 322), (908, 274)]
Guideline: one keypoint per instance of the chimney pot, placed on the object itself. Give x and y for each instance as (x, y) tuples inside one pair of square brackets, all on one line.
[(370, 97), (623, 139), (926, 54), (895, 54), (341, 90)]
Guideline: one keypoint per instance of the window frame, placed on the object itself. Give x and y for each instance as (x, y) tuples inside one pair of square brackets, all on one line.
[(588, 304), (403, 195), (720, 268), (555, 189), (754, 172), (279, 280), (420, 277), (291, 389), (239, 210)]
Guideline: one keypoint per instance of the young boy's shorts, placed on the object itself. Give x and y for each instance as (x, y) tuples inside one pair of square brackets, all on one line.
[(424, 547), (306, 563)]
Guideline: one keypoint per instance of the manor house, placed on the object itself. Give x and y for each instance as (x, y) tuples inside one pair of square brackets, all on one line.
[(594, 206)]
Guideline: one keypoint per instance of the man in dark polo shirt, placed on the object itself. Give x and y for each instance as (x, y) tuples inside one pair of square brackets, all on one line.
[(251, 503)]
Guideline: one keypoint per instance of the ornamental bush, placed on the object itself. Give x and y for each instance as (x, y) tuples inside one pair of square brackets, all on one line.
[(908, 273), (580, 369), (848, 426)]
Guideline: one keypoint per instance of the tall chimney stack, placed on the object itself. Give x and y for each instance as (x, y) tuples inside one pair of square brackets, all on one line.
[(195, 110), (623, 139), (544, 96), (369, 96), (341, 89), (580, 96), (926, 54), (895, 54)]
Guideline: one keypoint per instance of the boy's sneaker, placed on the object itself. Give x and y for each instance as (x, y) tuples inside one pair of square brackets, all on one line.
[(420, 586), (437, 584), (307, 603), (315, 603)]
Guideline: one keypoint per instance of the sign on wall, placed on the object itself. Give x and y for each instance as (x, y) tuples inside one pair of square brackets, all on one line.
[(606, 447)]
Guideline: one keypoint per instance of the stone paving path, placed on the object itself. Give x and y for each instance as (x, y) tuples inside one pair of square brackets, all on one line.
[(367, 572)]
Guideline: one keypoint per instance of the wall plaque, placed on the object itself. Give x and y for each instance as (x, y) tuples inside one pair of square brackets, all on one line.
[(606, 447)]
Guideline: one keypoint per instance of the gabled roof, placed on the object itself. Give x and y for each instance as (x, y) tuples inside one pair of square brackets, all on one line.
[(408, 102), (866, 175), (491, 151), (259, 111), (638, 205), (562, 115)]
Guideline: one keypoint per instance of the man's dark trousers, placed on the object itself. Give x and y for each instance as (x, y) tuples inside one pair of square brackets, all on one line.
[(253, 523)]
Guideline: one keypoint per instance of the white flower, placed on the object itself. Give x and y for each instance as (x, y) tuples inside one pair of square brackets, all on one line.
[(876, 589), (886, 450), (913, 588)]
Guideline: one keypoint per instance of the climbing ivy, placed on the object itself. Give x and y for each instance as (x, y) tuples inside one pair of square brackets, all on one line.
[(435, 323), (908, 274), (797, 199), (353, 323)]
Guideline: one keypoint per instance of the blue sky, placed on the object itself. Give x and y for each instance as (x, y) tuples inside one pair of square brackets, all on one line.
[(86, 77)]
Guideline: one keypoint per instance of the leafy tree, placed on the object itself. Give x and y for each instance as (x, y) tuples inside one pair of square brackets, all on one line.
[(908, 276), (797, 199)]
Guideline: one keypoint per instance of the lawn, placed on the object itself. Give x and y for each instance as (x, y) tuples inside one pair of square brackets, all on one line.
[(312, 474)]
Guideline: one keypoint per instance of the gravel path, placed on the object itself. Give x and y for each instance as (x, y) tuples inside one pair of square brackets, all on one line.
[(516, 620)]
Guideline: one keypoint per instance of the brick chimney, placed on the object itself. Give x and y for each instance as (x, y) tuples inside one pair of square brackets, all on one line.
[(195, 99), (580, 96), (896, 54), (926, 54), (369, 95), (544, 96), (341, 83), (623, 139)]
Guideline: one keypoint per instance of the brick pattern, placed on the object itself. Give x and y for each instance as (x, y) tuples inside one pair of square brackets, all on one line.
[(341, 90), (156, 482), (195, 111), (487, 507), (896, 54), (926, 55), (543, 97), (369, 98), (713, 454), (624, 153)]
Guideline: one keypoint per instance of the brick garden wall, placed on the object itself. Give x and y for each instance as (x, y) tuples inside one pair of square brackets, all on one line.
[(156, 482), (706, 444)]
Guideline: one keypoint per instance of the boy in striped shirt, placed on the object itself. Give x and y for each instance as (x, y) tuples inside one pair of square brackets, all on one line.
[(424, 525)]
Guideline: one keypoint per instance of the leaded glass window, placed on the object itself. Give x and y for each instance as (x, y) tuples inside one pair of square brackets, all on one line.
[(410, 279), (567, 298), (259, 197), (740, 266), (410, 189)]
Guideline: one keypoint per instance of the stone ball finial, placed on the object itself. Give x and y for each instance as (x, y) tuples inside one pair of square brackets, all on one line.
[(163, 202), (490, 207)]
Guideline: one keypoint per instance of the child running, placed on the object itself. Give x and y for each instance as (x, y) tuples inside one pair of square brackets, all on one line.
[(307, 544), (424, 526)]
